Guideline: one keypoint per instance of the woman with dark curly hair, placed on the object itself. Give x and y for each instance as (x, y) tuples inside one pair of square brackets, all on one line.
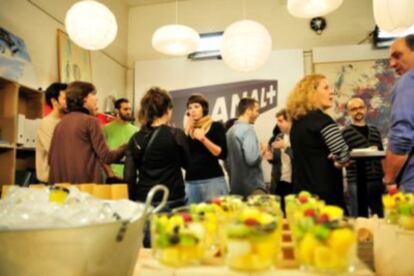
[(157, 152), (78, 148), (207, 141)]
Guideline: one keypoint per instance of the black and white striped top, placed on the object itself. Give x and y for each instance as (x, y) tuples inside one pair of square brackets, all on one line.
[(336, 143), (355, 139)]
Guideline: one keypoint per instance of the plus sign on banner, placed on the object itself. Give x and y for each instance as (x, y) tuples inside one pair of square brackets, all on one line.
[(224, 98)]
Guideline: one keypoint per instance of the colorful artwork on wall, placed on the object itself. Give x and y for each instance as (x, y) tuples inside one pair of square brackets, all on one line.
[(74, 62), (15, 63), (371, 80)]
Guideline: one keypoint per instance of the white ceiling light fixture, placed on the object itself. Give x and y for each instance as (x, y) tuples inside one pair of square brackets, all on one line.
[(246, 45), (175, 39), (312, 8), (394, 16), (91, 25)]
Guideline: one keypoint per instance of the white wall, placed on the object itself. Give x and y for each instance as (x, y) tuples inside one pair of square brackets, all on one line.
[(38, 30), (286, 66)]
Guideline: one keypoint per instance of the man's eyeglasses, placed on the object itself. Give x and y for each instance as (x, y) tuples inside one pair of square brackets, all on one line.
[(357, 108)]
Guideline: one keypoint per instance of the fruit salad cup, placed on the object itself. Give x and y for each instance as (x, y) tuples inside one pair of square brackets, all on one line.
[(230, 205), (325, 243), (177, 239), (406, 212), (253, 240), (266, 203), (297, 204), (211, 216)]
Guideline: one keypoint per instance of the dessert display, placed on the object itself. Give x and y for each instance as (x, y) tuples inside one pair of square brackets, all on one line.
[(178, 239), (253, 240)]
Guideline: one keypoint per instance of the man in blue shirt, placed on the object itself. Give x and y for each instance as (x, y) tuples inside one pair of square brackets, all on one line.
[(399, 161), (244, 155)]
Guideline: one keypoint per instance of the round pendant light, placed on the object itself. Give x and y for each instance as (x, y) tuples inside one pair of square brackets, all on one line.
[(394, 16), (246, 45), (176, 40), (312, 8), (91, 25)]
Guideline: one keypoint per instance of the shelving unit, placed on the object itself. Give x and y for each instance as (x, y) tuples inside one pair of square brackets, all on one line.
[(16, 99)]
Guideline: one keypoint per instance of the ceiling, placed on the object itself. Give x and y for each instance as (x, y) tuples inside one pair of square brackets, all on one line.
[(148, 2)]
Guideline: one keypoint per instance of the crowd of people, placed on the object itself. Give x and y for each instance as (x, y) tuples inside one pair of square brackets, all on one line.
[(307, 151)]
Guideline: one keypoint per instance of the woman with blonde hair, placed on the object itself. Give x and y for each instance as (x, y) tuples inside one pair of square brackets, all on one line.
[(319, 149)]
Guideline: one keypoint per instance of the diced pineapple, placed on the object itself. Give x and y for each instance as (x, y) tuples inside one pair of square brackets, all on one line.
[(307, 248), (341, 240), (238, 247)]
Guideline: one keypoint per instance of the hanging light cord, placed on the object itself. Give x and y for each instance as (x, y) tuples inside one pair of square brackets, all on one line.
[(176, 11), (244, 9), (61, 22), (367, 37)]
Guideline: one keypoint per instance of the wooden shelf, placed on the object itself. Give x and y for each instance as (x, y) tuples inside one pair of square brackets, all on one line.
[(25, 149), (4, 146), (16, 99)]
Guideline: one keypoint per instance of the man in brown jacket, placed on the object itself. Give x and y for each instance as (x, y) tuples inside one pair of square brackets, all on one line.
[(78, 147)]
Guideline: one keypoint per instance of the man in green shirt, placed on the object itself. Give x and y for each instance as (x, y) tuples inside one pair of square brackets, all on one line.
[(119, 131)]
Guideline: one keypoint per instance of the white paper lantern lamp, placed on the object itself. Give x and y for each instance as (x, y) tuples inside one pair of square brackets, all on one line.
[(246, 46), (91, 25), (312, 8), (394, 16), (175, 39)]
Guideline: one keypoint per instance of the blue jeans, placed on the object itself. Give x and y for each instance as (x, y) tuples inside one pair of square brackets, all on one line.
[(205, 189)]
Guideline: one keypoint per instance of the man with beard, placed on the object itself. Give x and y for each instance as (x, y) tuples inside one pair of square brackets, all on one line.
[(56, 100), (361, 135), (244, 153), (117, 133)]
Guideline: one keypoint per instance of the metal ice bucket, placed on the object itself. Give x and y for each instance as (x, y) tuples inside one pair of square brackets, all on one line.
[(107, 249)]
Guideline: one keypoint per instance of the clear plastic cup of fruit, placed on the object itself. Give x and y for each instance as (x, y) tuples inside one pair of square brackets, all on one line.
[(177, 239), (266, 203), (325, 242), (210, 215), (406, 212), (391, 202), (297, 204), (253, 240), (230, 205)]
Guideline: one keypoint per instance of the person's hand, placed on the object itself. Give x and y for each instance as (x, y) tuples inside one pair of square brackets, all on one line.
[(391, 188), (188, 125), (279, 144), (338, 165), (267, 155), (199, 134)]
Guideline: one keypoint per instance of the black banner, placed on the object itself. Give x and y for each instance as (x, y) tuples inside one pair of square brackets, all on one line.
[(224, 98)]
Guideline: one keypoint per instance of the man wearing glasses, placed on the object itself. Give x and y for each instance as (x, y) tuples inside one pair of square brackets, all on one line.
[(361, 135)]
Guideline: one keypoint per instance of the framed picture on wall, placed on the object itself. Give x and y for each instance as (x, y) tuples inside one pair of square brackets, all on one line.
[(370, 80), (74, 63)]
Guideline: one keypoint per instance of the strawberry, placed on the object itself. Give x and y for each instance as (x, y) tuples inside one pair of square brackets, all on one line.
[(393, 190), (322, 218), (309, 212), (303, 199), (251, 222), (216, 201), (186, 217)]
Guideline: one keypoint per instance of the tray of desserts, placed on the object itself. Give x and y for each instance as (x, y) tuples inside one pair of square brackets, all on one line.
[(229, 236)]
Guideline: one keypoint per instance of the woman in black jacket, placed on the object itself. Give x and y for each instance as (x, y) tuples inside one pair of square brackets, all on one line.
[(157, 152)]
